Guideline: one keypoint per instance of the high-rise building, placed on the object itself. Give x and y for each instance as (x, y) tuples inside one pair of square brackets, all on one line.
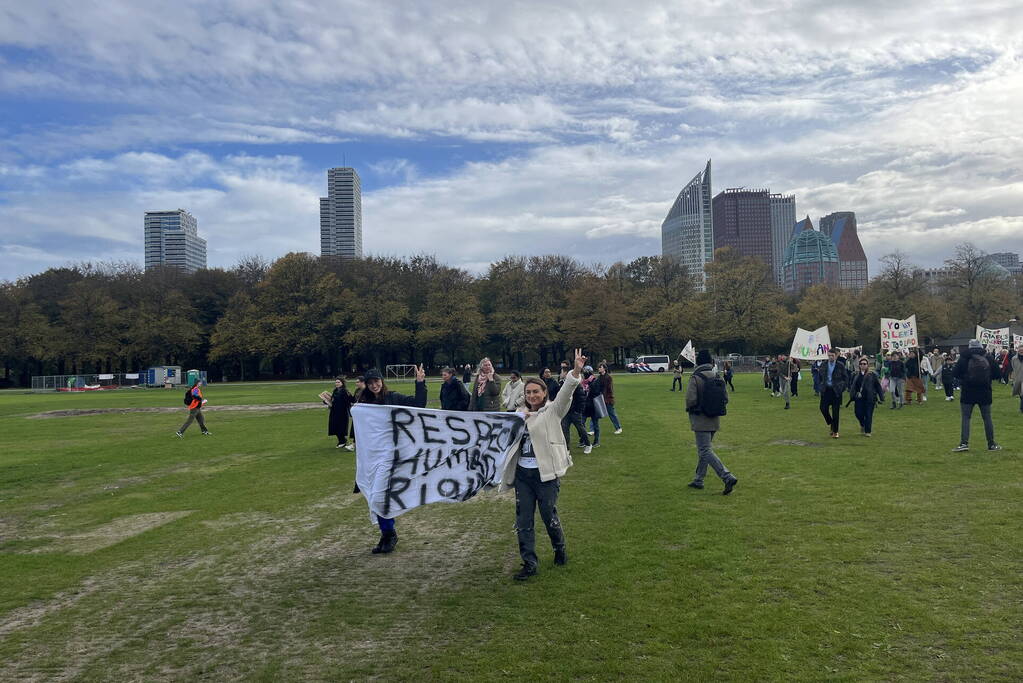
[(742, 221), (841, 228), (172, 239), (341, 214), (687, 233), (783, 220), (810, 259), (1008, 260)]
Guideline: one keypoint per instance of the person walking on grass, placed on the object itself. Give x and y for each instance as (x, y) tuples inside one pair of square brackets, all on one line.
[(795, 376), (677, 379), (897, 378), (466, 375), (453, 394), (786, 370), (377, 393), (609, 396), (774, 370), (486, 390), (340, 405), (866, 393), (511, 396), (834, 380), (594, 391), (1017, 375), (728, 374), (536, 468), (705, 404), (574, 416), (914, 384), (975, 371), (195, 404)]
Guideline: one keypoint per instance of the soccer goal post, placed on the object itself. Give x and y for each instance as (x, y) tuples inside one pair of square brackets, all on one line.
[(399, 371)]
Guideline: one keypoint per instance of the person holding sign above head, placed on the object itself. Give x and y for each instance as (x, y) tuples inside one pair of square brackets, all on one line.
[(705, 402), (377, 392), (535, 468), (834, 380)]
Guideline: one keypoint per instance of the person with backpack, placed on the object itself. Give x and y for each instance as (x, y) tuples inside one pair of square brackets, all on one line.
[(706, 399), (866, 392), (975, 370), (194, 400), (834, 380)]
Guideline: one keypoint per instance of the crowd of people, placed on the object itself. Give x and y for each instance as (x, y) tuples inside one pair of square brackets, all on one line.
[(552, 405)]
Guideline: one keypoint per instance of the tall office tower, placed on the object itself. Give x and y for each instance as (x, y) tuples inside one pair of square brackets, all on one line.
[(172, 239), (742, 220), (341, 214), (810, 259), (841, 228), (783, 220), (687, 233)]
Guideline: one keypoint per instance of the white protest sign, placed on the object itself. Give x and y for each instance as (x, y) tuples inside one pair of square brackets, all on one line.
[(898, 335), (842, 350), (689, 353), (998, 337), (407, 457), (807, 345), (1017, 341)]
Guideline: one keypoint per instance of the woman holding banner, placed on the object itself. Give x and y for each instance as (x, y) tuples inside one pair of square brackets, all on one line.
[(535, 468), (377, 392)]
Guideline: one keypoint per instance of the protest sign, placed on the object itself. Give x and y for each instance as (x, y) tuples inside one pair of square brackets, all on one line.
[(898, 335), (997, 338), (688, 353), (407, 457), (1017, 341), (842, 350), (807, 345)]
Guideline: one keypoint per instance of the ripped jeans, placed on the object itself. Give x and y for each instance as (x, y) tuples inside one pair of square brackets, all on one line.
[(531, 493)]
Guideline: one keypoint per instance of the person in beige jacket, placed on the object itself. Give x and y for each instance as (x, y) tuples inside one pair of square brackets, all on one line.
[(535, 468)]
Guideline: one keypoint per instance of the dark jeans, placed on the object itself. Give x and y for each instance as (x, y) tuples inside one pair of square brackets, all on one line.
[(530, 494), (865, 413), (575, 418), (949, 389), (795, 385), (775, 385), (831, 404), (989, 426), (728, 379), (678, 381)]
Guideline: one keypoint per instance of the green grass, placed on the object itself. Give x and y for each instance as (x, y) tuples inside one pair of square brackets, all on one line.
[(889, 558)]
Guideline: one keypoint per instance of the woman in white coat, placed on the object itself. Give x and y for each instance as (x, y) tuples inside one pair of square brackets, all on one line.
[(534, 470)]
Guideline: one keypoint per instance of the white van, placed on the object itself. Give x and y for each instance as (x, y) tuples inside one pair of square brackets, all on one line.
[(650, 364)]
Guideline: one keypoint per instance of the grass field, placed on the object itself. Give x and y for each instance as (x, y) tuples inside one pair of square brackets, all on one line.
[(128, 554)]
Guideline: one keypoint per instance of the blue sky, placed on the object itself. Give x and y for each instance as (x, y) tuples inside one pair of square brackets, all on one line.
[(483, 128)]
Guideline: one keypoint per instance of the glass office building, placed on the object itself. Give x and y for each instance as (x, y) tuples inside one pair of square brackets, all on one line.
[(783, 223), (742, 221), (687, 233), (172, 239), (810, 259), (341, 214)]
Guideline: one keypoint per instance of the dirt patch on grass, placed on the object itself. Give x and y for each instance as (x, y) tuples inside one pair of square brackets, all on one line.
[(264, 407), (111, 533), (795, 442)]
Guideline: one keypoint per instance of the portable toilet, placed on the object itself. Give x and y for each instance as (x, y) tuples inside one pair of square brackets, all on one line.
[(196, 375)]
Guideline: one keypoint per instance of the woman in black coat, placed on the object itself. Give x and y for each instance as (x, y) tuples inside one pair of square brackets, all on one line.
[(865, 392), (340, 411)]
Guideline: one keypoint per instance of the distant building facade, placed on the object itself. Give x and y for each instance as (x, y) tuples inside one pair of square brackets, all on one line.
[(1008, 260), (783, 222), (341, 214), (172, 239), (687, 233), (810, 259), (742, 221), (841, 228)]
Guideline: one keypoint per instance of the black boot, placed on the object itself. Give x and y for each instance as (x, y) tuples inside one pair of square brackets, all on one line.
[(388, 540), (560, 557), (527, 571)]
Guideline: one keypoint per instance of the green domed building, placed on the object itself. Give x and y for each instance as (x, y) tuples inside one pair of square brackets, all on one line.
[(810, 259)]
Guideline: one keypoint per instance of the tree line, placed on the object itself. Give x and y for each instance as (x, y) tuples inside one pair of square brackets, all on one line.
[(303, 315)]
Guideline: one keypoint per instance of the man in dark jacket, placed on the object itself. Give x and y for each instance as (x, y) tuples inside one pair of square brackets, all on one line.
[(453, 394), (834, 380), (552, 384), (975, 370), (896, 378), (575, 415), (704, 426)]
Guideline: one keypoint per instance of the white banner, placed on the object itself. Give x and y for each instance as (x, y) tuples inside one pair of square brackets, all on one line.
[(898, 335), (1017, 341), (132, 375), (807, 345), (998, 338), (105, 376), (689, 353), (842, 350), (407, 457)]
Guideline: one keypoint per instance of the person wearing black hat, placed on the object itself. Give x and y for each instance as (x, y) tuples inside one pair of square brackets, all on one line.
[(975, 369), (377, 392), (705, 425)]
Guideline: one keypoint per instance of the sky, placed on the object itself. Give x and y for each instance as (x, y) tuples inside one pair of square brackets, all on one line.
[(482, 129)]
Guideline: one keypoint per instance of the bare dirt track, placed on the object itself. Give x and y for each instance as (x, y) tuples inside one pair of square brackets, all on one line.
[(263, 407)]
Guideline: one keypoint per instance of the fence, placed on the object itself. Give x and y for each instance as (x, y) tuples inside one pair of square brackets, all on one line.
[(95, 382)]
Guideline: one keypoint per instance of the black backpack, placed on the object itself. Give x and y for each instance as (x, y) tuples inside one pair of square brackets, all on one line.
[(714, 396), (978, 370), (188, 397)]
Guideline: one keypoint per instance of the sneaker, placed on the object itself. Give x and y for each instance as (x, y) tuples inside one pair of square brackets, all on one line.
[(961, 448), (925, 398), (560, 557), (994, 447), (350, 447), (729, 485), (587, 449), (340, 445), (590, 433), (835, 435), (596, 445), (618, 431), (695, 485), (868, 435), (527, 571), (207, 433), (179, 435)]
